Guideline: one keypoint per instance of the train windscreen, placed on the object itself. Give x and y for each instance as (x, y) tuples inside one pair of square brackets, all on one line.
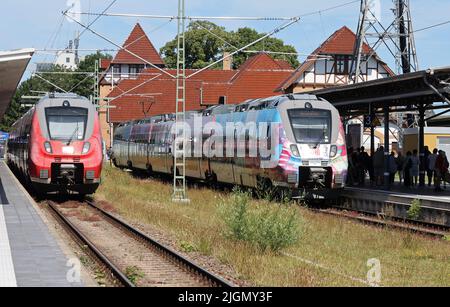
[(311, 126), (66, 123)]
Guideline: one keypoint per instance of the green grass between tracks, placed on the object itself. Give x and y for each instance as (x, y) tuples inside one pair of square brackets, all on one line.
[(329, 251)]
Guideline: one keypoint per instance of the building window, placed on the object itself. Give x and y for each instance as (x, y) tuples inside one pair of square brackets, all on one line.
[(116, 69), (342, 63), (67, 60), (133, 70)]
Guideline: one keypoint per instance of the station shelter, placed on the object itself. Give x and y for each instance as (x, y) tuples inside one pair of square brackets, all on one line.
[(418, 92)]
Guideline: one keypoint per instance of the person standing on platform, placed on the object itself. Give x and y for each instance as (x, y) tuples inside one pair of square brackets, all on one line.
[(441, 169), (392, 167), (400, 161), (415, 167), (407, 169), (378, 165), (351, 167), (365, 162), (431, 163)]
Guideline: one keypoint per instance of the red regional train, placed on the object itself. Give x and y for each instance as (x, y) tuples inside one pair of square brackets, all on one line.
[(57, 145)]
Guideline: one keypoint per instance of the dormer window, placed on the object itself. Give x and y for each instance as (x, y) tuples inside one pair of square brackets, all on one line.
[(342, 63)]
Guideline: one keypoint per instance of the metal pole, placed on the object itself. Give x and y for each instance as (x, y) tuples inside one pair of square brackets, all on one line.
[(372, 132), (179, 146), (387, 174), (423, 167)]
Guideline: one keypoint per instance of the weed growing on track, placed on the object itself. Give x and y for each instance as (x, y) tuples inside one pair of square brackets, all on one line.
[(134, 274), (415, 209)]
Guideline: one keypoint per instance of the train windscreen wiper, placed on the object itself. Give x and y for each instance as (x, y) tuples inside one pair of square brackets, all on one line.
[(72, 136)]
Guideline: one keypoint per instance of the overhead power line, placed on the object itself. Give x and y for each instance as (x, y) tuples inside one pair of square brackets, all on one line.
[(248, 18), (433, 26)]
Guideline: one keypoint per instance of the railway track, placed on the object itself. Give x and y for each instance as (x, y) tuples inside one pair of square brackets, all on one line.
[(396, 223), (119, 247)]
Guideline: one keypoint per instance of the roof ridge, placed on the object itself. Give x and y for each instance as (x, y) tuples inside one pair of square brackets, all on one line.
[(139, 44)]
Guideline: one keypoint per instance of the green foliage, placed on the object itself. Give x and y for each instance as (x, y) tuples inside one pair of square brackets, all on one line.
[(415, 209), (134, 274), (269, 228), (84, 87), (187, 247), (205, 44)]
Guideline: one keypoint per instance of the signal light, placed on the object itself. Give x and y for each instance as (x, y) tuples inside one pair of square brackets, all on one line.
[(43, 174), (90, 175), (48, 147)]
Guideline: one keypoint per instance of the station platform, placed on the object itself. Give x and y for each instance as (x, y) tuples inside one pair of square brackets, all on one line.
[(427, 194), (29, 255), (396, 202)]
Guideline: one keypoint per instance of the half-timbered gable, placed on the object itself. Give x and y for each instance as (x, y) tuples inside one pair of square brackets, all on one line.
[(330, 65)]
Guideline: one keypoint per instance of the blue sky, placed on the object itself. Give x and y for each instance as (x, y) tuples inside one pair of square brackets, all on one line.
[(40, 19)]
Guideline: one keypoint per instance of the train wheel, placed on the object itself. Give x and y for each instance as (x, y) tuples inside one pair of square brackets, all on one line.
[(149, 169)]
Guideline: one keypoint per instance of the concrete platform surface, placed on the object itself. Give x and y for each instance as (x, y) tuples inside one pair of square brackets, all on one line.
[(29, 255)]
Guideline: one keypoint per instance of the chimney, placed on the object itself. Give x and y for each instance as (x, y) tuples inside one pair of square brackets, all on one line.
[(228, 62)]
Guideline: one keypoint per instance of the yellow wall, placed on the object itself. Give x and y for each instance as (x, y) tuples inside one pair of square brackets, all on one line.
[(102, 112), (411, 141)]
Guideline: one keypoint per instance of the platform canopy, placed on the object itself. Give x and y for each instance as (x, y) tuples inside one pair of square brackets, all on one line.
[(400, 93), (12, 67)]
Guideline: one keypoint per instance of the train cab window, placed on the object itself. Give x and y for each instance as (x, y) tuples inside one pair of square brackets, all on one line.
[(311, 126), (66, 123)]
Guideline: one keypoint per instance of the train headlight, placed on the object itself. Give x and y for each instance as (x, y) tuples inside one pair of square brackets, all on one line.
[(86, 148), (48, 147), (294, 150), (333, 151)]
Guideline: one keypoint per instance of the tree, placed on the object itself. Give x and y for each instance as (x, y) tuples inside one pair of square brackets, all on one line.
[(78, 83), (206, 43), (244, 36)]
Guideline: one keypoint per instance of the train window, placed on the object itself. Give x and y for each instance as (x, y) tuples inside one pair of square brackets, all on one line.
[(66, 123), (311, 126)]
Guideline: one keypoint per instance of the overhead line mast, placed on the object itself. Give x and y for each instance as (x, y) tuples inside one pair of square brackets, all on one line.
[(179, 146)]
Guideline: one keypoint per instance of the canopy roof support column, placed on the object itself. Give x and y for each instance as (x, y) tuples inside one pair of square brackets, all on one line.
[(387, 174), (423, 162)]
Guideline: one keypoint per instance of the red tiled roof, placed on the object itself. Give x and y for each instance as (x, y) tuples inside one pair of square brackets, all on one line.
[(104, 63), (139, 44), (284, 64), (341, 42), (258, 77)]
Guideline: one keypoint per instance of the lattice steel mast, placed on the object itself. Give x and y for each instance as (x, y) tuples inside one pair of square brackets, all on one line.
[(397, 37), (179, 148)]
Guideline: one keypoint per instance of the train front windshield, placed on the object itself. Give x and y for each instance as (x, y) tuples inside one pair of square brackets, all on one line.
[(66, 123), (311, 126)]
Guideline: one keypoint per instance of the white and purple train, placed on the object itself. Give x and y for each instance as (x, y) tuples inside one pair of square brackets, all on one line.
[(294, 142)]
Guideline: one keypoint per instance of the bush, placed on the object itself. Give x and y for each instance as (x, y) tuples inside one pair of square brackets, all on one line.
[(268, 228), (414, 210)]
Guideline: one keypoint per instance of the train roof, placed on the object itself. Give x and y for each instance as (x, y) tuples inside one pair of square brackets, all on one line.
[(250, 104)]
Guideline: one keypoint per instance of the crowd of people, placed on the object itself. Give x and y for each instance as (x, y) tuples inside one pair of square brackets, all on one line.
[(407, 167)]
